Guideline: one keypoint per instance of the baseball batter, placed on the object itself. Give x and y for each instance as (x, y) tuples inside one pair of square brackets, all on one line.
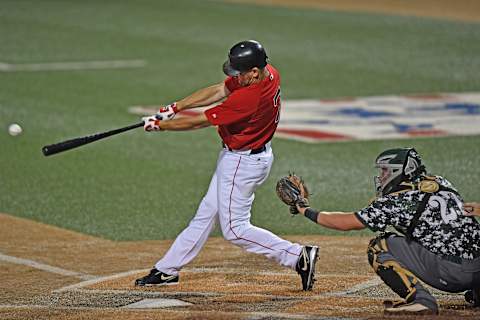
[(436, 239), (246, 121)]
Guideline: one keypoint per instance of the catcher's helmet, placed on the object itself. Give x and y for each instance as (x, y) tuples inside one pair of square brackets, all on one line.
[(244, 56), (401, 165)]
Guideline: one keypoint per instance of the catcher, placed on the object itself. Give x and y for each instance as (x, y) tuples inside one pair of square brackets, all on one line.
[(437, 238)]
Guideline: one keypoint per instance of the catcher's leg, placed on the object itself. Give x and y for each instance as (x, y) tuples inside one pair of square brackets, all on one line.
[(473, 296), (401, 280)]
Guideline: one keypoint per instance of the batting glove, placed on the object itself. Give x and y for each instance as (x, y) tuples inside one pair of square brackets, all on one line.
[(151, 123), (168, 112)]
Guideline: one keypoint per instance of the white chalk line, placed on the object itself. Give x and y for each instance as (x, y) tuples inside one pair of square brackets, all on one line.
[(286, 273), (74, 65), (165, 294), (131, 272), (91, 279), (359, 287), (46, 267), (99, 279)]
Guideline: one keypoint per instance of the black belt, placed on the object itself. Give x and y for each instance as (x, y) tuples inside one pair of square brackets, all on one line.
[(253, 151), (259, 150)]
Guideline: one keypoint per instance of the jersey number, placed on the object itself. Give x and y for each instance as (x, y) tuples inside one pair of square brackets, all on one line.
[(447, 214), (276, 104)]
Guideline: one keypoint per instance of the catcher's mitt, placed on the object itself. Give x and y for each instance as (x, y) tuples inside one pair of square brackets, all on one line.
[(292, 191)]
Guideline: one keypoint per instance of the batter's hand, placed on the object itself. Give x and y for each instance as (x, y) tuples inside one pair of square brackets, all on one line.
[(168, 112), (151, 123)]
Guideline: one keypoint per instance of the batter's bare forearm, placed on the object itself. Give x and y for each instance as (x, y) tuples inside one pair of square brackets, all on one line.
[(203, 97), (187, 123)]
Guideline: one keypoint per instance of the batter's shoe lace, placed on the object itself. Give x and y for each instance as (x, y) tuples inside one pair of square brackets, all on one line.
[(406, 308), (306, 266), (156, 278), (473, 297)]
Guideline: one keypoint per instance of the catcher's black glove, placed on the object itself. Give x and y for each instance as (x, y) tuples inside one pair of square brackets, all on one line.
[(292, 191)]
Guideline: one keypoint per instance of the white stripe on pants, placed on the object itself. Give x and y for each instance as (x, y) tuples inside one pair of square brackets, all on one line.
[(230, 197)]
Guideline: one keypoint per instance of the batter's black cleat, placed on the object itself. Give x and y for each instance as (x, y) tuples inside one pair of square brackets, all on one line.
[(306, 266), (473, 297), (156, 278)]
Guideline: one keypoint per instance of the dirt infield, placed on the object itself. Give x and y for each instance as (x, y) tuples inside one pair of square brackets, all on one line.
[(460, 10), (48, 272)]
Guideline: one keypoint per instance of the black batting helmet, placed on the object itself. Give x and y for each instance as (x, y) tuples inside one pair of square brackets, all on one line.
[(244, 56)]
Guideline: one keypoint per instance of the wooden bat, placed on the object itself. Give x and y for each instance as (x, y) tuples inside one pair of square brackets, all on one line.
[(78, 142)]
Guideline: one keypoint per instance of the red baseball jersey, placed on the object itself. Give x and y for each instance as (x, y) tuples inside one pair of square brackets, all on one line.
[(249, 116)]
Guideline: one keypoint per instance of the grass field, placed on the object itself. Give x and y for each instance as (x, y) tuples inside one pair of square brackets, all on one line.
[(147, 186)]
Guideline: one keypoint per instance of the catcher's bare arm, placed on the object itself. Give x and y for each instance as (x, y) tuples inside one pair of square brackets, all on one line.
[(337, 220), (348, 220), (472, 209)]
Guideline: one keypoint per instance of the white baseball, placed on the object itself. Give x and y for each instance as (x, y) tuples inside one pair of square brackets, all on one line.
[(14, 129)]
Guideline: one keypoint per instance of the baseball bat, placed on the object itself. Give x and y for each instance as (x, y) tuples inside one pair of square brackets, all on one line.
[(78, 142)]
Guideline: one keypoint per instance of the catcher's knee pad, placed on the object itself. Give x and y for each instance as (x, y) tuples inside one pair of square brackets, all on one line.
[(399, 279), (375, 247)]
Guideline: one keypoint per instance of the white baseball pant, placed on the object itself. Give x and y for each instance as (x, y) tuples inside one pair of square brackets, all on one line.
[(230, 197)]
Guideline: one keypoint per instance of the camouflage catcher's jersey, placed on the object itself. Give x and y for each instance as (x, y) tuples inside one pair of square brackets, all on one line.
[(441, 228)]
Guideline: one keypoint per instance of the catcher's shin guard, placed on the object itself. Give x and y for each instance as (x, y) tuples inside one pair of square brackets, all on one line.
[(399, 279), (473, 297)]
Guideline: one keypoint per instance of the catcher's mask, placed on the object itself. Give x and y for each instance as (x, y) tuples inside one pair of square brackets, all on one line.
[(396, 167)]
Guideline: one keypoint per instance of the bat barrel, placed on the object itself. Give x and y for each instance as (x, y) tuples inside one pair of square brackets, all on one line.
[(77, 142), (49, 150)]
